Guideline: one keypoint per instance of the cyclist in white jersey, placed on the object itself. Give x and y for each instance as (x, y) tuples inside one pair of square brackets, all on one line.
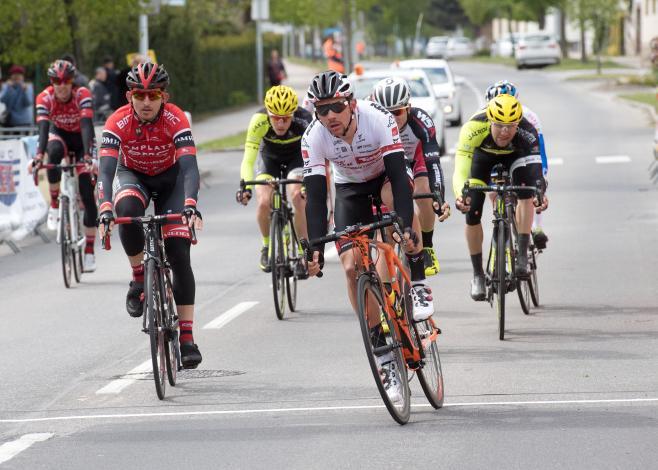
[(362, 142)]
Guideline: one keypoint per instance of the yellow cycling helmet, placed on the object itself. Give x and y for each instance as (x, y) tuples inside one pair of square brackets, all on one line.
[(281, 100), (504, 109)]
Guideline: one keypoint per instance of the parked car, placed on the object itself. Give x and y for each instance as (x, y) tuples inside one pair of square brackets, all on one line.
[(436, 47), (459, 47), (504, 46), (443, 82), (422, 93), (537, 49)]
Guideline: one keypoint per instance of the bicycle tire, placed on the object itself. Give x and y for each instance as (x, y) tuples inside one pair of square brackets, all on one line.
[(172, 351), (156, 332), (365, 288), (500, 276), (292, 249), (65, 242), (77, 251), (523, 291), (277, 265), (533, 283)]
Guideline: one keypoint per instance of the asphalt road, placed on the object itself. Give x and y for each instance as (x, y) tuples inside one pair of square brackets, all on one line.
[(574, 385)]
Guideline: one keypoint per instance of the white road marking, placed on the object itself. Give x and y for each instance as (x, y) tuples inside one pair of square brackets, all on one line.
[(116, 386), (476, 92), (9, 450), (555, 161), (229, 315), (613, 159), (324, 408)]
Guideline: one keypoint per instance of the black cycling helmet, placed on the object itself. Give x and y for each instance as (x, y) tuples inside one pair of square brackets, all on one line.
[(329, 84), (61, 70), (147, 76)]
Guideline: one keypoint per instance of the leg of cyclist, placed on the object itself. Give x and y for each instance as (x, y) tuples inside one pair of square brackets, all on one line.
[(421, 293), (525, 171), (86, 191), (263, 209), (427, 219), (56, 149)]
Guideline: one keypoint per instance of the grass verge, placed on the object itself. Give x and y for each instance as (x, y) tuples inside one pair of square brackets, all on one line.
[(577, 64), (229, 142), (646, 98)]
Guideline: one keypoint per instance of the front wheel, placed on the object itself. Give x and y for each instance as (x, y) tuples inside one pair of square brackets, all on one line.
[(500, 276), (384, 350), (153, 298), (293, 257), (278, 265), (65, 242)]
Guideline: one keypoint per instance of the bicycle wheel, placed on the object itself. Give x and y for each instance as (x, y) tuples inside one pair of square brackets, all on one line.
[(65, 242), (76, 250), (278, 265), (171, 348), (292, 251), (380, 342), (430, 374), (523, 290), (156, 332), (500, 276), (533, 283)]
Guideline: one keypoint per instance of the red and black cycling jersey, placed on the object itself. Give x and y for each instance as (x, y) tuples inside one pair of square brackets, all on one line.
[(418, 138), (147, 147), (65, 116)]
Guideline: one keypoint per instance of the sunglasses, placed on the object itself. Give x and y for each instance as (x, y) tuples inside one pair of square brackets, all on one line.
[(507, 127), (397, 112), (337, 107), (277, 117), (152, 95), (60, 81)]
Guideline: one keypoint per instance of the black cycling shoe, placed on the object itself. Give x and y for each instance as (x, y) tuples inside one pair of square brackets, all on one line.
[(190, 355), (478, 291), (135, 299), (521, 266), (265, 259), (540, 239)]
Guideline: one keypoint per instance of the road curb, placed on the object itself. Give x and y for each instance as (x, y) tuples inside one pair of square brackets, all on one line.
[(651, 110)]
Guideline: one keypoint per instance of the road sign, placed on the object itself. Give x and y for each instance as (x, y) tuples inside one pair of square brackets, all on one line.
[(260, 10)]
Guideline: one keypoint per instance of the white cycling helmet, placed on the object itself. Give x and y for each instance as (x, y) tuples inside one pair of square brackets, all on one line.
[(392, 93)]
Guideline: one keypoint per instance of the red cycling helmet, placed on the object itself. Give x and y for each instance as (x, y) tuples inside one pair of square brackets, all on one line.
[(61, 69), (147, 76)]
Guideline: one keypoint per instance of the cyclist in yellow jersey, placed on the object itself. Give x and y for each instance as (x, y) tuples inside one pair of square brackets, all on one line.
[(499, 134), (274, 138)]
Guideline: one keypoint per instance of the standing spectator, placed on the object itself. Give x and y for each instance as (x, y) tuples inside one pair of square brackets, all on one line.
[(112, 82), (101, 96), (331, 50), (275, 69), (80, 79), (18, 97)]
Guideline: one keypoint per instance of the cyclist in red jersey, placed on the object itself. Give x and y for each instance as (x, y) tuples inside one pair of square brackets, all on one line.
[(64, 118), (148, 144)]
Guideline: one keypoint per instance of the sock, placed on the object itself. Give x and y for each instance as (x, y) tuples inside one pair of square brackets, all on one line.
[(138, 273), (537, 222), (476, 260), (427, 238), (416, 266), (266, 241), (89, 247), (524, 241), (54, 201), (186, 331)]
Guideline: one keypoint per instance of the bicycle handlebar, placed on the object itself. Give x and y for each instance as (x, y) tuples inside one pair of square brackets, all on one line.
[(272, 182), (165, 219), (435, 196), (54, 166)]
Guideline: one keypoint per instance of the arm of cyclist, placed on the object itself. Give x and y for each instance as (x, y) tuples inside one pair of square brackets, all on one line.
[(106, 170), (463, 161), (87, 132), (316, 218), (257, 129), (191, 182), (396, 171)]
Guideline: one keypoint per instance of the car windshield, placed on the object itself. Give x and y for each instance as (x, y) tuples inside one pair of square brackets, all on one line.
[(437, 74), (438, 40), (363, 87), (537, 39)]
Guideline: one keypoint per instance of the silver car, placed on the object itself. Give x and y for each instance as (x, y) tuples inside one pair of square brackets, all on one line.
[(443, 82), (436, 47), (537, 49)]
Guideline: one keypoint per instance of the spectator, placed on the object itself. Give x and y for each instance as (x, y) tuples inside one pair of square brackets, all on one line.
[(332, 53), (112, 83), (123, 88), (275, 69), (101, 96), (80, 79), (18, 98)]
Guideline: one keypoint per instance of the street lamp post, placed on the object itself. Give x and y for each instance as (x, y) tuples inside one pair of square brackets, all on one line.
[(260, 11)]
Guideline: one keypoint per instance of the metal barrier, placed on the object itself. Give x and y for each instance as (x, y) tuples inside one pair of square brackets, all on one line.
[(7, 133)]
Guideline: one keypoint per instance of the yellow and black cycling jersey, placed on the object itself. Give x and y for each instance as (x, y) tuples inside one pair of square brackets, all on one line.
[(262, 139), (475, 142)]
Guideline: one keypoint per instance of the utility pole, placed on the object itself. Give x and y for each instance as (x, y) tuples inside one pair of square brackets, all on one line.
[(260, 11)]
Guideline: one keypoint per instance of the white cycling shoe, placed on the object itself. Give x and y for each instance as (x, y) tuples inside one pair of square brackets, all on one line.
[(389, 373), (89, 263), (53, 218), (421, 296)]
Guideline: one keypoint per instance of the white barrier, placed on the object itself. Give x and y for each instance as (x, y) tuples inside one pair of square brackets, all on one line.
[(22, 206)]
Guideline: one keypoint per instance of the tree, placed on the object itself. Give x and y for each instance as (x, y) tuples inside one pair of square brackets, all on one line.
[(597, 14)]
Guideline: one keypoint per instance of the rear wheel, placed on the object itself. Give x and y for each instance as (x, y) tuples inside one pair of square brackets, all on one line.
[(76, 250), (156, 332), (172, 351), (65, 242), (383, 346), (533, 283), (500, 277), (278, 265), (292, 252)]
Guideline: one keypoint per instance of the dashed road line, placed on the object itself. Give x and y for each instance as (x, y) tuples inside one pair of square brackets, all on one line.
[(612, 159), (229, 315), (116, 386), (331, 408), (9, 450)]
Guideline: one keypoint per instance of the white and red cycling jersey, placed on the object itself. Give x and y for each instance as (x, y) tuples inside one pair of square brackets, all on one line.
[(147, 147), (376, 136), (65, 116)]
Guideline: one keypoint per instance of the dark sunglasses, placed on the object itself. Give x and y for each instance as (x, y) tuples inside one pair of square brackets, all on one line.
[(398, 112), (337, 107), (60, 81), (153, 95)]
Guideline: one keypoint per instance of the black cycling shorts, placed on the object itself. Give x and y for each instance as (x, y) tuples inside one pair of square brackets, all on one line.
[(271, 165)]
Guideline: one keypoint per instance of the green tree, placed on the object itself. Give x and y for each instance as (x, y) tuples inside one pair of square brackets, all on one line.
[(598, 15)]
